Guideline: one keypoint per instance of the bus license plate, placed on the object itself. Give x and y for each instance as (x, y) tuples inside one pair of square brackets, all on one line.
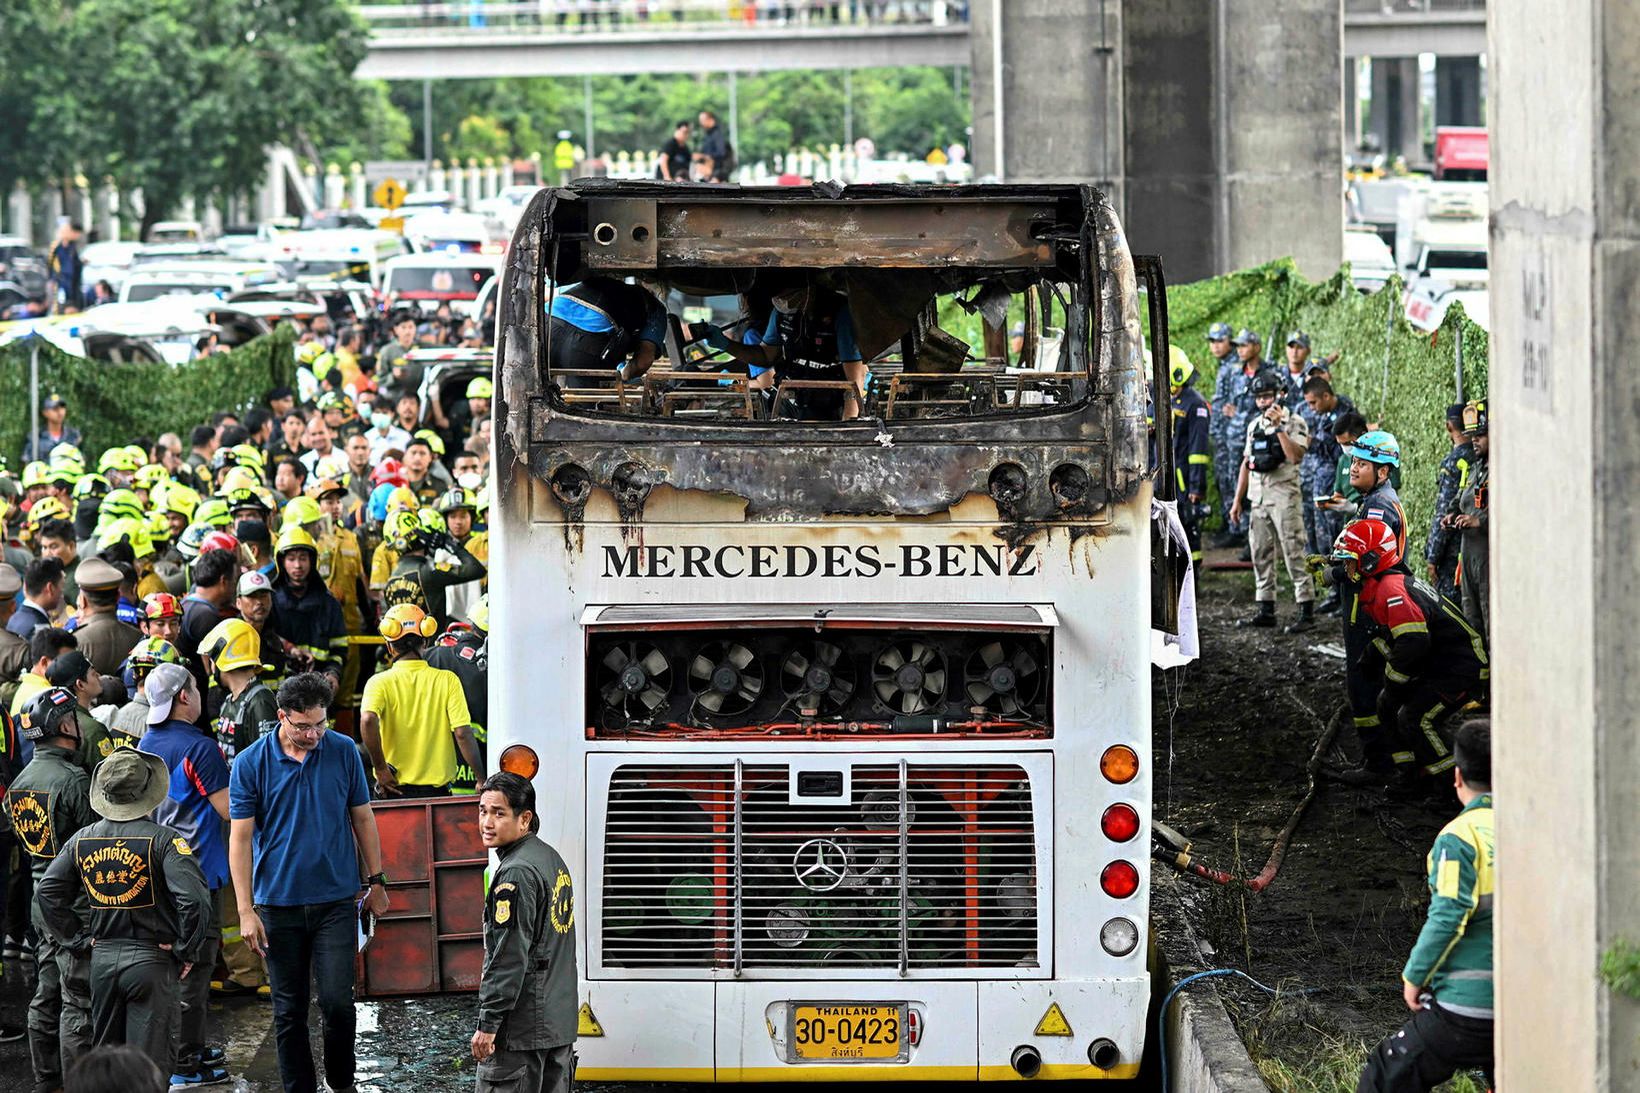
[(830, 1032)]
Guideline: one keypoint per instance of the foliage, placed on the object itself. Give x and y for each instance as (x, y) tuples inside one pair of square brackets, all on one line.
[(479, 137), (909, 110), (112, 403), (1399, 378), (384, 134), (180, 97), (1620, 968)]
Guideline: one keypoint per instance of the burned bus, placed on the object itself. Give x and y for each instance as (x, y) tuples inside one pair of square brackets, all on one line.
[(843, 725)]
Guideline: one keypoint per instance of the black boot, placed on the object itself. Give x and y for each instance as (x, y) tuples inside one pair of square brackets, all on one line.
[(1265, 618), (1305, 620)]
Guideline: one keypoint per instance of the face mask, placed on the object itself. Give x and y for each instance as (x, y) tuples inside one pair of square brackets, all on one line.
[(380, 420)]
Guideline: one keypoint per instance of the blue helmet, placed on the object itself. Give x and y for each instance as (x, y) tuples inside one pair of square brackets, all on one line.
[(1218, 332), (1377, 447), (377, 506)]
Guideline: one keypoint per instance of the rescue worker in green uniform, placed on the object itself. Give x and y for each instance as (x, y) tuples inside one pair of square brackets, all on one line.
[(1447, 980), (130, 889), (48, 803), (421, 576), (525, 1042)]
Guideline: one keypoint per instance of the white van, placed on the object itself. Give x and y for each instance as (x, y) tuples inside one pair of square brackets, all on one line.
[(455, 233), (219, 278), (354, 254)]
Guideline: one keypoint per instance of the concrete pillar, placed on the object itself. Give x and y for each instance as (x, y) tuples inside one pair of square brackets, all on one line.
[(20, 214), (1052, 69), (1281, 134), (1171, 151), (1458, 91), (1566, 665), (1395, 107), (1352, 104)]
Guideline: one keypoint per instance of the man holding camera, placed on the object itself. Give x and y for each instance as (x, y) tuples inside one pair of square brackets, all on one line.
[(1269, 482)]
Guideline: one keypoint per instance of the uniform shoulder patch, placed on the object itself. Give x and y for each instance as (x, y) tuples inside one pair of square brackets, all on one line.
[(1393, 600), (182, 846), (1375, 514), (1201, 411), (509, 886), (503, 911), (466, 652)]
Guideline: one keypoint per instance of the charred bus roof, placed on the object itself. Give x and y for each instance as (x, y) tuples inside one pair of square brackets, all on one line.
[(946, 419)]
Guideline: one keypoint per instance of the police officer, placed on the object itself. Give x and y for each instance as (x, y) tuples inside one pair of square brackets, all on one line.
[(604, 325), (1373, 458), (1470, 519), (1321, 407), (103, 638), (526, 996), (130, 889), (1441, 545), (1276, 441), (47, 804), (14, 659), (1191, 421), (1242, 410), (1225, 459)]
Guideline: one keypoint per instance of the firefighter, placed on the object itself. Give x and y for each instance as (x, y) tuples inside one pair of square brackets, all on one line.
[(459, 507), (341, 567), (1192, 420), (48, 803), (809, 337), (430, 562), (305, 614), (1434, 660), (132, 887), (1374, 457), (525, 1041), (464, 648), (1269, 480), (1441, 545), (1447, 979)]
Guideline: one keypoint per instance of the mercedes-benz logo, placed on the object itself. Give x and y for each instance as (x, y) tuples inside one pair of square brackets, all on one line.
[(820, 865)]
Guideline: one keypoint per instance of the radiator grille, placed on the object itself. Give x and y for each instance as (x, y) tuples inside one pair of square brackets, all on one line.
[(717, 867)]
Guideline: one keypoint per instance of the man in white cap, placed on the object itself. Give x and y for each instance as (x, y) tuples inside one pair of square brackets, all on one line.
[(196, 805), (132, 888)]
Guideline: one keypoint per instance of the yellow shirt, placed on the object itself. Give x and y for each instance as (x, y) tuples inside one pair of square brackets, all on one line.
[(27, 687), (419, 707), (382, 562)]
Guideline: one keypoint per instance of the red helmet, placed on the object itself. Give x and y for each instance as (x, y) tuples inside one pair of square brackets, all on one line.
[(388, 470), (161, 605), (219, 540), (1370, 544)]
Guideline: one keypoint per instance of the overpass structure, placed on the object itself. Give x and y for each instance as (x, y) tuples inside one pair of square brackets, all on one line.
[(481, 39)]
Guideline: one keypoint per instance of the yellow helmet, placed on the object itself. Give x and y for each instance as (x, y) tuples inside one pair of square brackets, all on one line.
[(294, 537), (404, 619), (233, 643), (302, 510), (236, 478), (479, 616), (46, 508), (402, 499), (126, 529), (308, 352), (91, 485), (250, 456), (214, 512), (180, 499), (480, 387), (66, 453), (434, 441), (401, 530), (1179, 368), (118, 459), (35, 474), (158, 526), (149, 477)]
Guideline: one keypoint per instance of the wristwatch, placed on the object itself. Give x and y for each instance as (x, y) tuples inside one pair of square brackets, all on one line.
[(374, 879)]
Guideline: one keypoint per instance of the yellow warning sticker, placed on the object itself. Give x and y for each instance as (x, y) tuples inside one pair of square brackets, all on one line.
[(1053, 1022), (586, 1023)]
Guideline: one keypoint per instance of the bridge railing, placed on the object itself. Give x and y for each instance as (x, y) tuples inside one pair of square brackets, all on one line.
[(1410, 7), (653, 16)]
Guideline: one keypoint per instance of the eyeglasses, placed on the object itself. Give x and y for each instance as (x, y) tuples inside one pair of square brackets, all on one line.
[(304, 726)]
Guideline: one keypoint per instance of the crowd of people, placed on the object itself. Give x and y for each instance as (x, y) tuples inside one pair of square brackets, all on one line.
[(305, 578)]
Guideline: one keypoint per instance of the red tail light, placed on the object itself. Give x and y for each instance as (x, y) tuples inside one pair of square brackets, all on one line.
[(1119, 879), (1119, 823)]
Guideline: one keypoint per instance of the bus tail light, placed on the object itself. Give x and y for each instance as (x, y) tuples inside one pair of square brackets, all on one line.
[(1120, 822), (1119, 879), (1119, 764), (520, 759), (913, 1026), (1119, 936)]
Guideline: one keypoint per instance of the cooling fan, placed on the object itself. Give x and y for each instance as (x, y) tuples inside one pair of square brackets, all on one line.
[(1004, 676), (908, 676), (725, 679), (634, 680), (818, 677)]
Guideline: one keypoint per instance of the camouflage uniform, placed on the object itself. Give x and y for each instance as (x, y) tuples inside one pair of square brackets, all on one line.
[(1441, 546)]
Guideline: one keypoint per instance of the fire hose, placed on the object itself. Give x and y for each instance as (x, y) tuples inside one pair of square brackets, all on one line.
[(1168, 845)]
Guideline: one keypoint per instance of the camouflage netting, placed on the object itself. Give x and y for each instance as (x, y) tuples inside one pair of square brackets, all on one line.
[(1405, 390), (111, 404)]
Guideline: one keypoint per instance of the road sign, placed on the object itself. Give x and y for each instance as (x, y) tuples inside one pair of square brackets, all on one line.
[(563, 156), (392, 224), (389, 193)]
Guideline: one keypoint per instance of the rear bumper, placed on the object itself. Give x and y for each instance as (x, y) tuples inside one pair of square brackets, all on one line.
[(730, 1031)]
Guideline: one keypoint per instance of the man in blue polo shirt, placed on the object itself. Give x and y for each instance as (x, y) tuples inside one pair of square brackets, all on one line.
[(195, 805), (597, 323), (298, 800)]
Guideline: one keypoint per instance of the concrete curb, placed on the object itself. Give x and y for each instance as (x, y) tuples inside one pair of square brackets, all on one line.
[(1204, 1052)]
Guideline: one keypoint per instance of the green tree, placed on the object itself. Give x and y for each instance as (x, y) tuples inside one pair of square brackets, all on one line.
[(478, 136), (181, 97), (385, 132)]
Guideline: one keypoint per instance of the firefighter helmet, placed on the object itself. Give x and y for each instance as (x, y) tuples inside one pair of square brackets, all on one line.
[(1377, 446), (295, 538), (48, 712), (1368, 547), (233, 643), (213, 511)]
